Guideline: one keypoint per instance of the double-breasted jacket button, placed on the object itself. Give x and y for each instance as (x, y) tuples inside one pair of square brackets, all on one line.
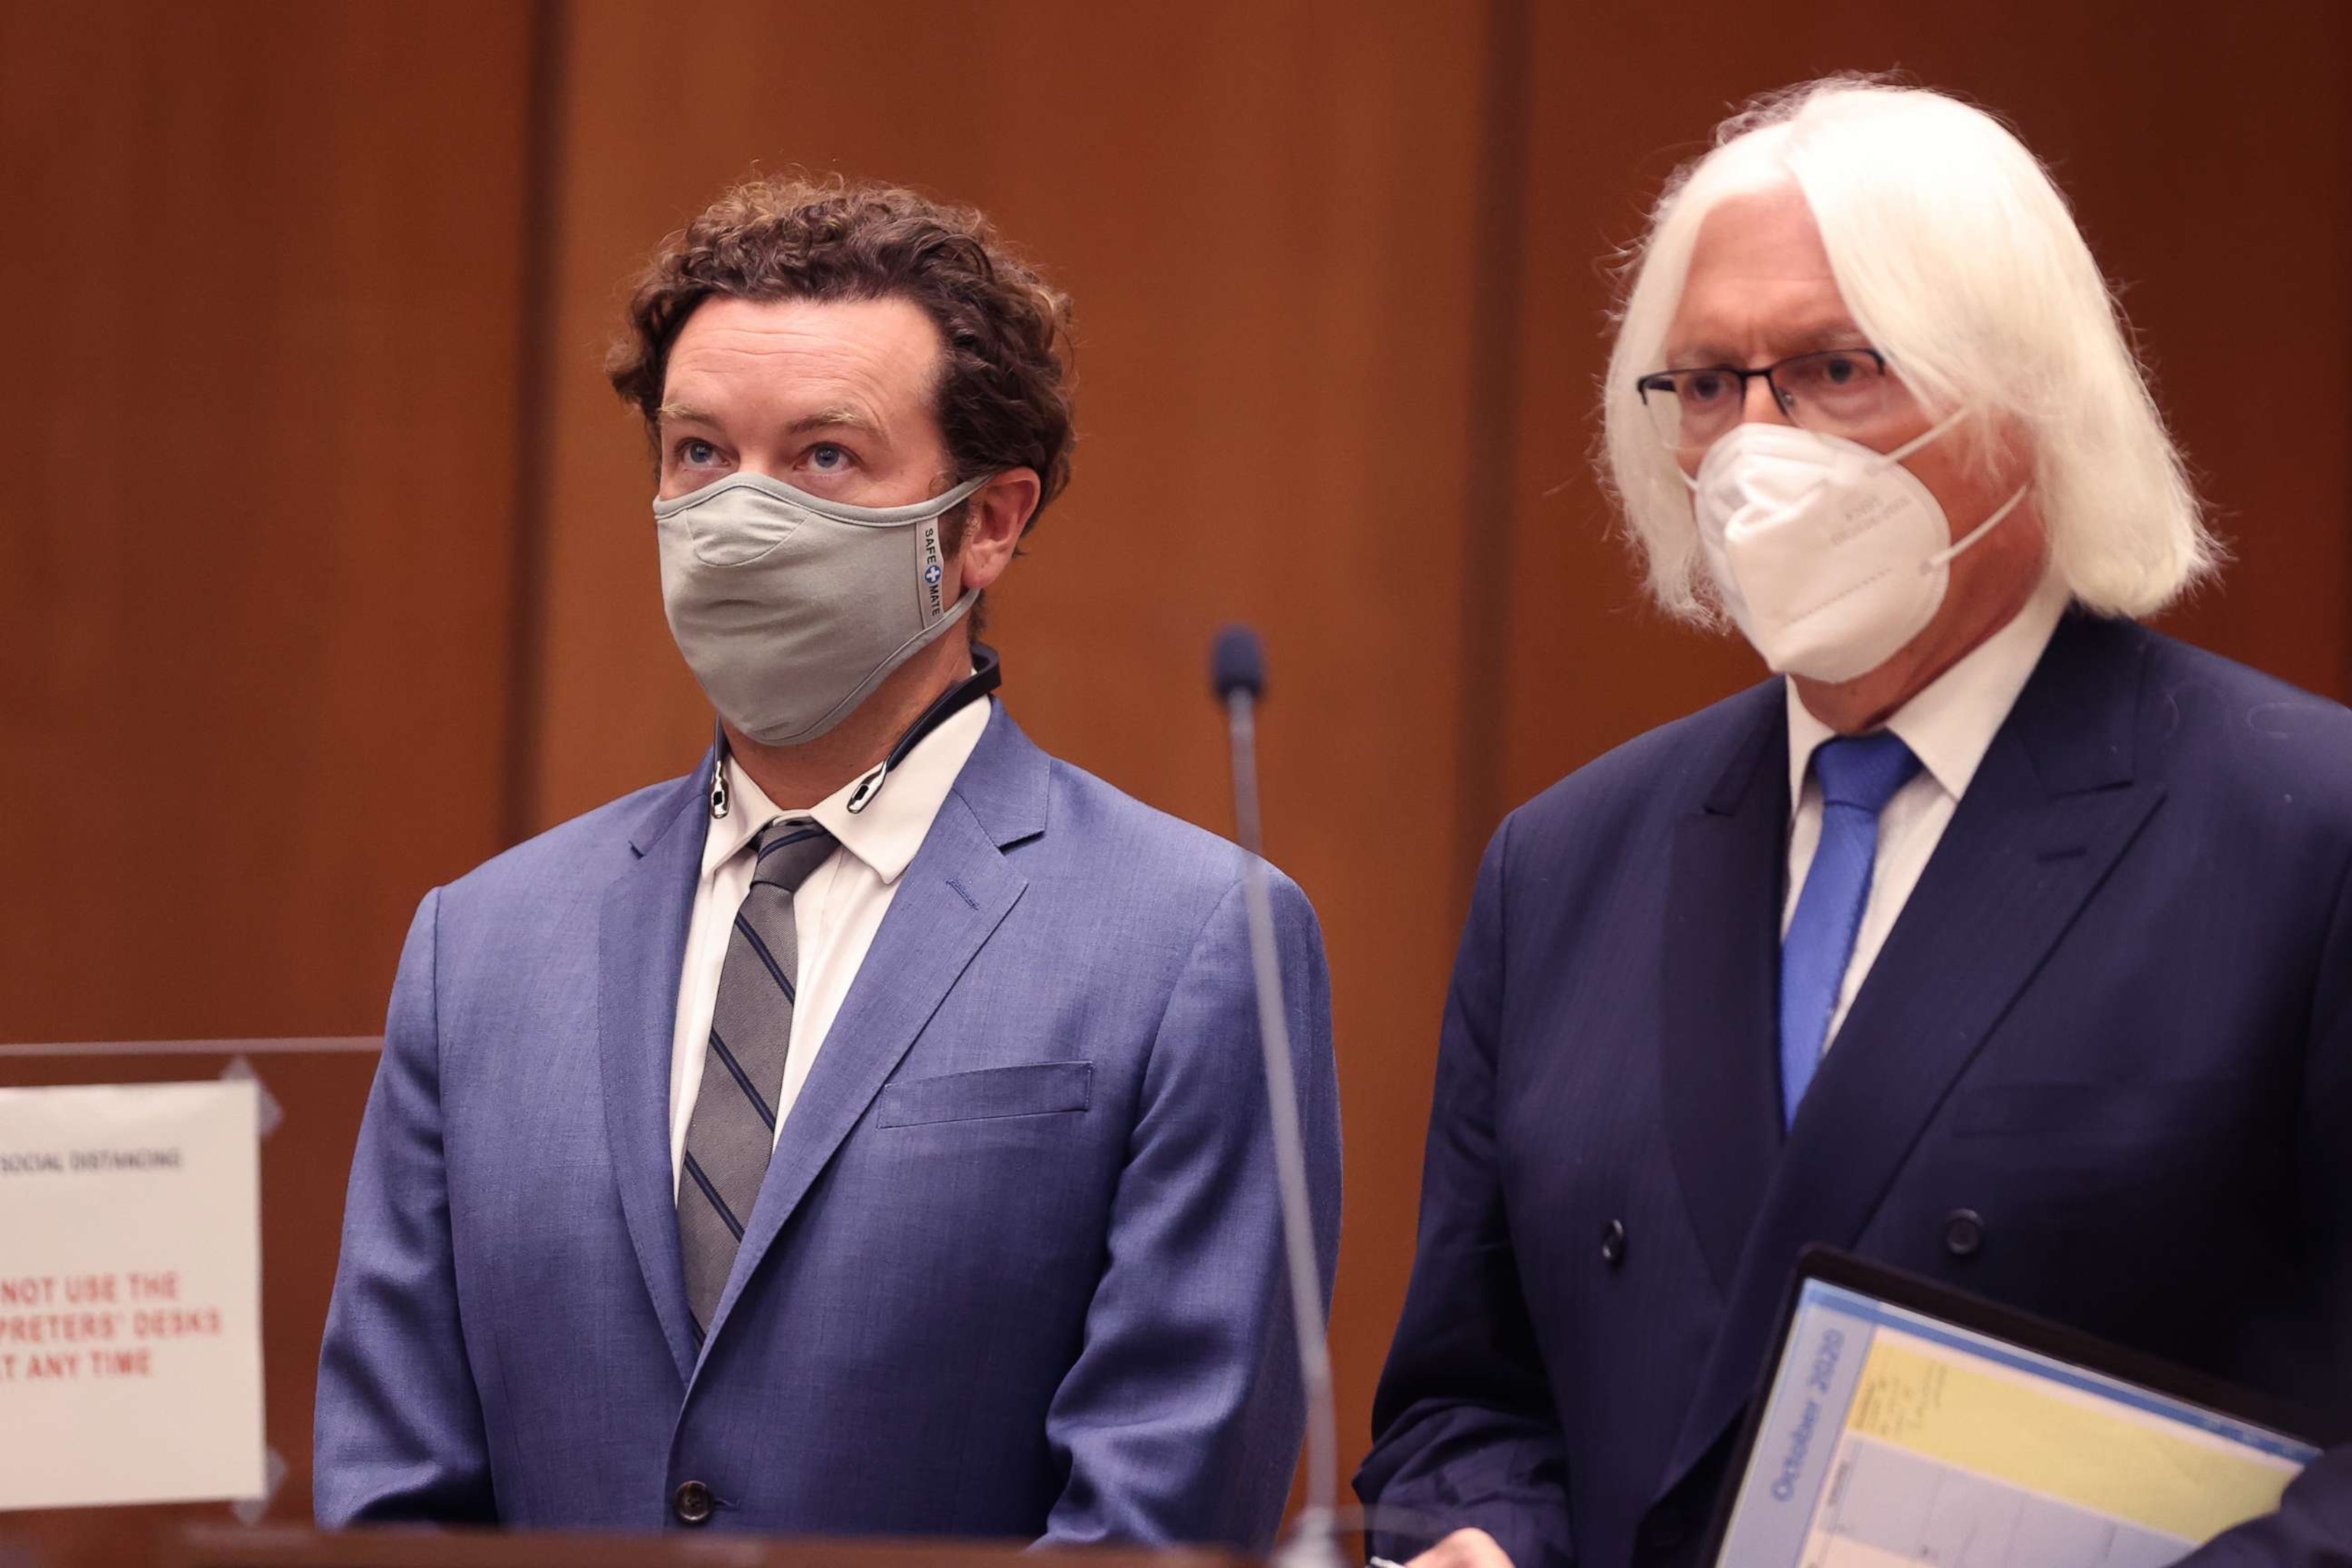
[(691, 1503), (1964, 1233), (1613, 1243)]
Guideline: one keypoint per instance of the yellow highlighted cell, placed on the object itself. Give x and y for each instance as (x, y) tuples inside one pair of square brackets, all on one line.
[(2052, 1440)]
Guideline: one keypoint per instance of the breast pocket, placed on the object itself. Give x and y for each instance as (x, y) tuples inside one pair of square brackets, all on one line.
[(2165, 1151), (1033, 1088), (2102, 1115)]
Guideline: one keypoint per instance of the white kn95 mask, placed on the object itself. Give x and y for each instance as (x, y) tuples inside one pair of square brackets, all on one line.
[(1828, 555)]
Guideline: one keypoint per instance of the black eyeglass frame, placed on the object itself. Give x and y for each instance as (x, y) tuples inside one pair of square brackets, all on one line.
[(1663, 380)]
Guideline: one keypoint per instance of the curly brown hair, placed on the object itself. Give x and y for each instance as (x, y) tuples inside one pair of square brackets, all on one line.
[(1004, 386)]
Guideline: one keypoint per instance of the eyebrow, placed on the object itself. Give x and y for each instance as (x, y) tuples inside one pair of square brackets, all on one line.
[(1812, 339), (834, 417)]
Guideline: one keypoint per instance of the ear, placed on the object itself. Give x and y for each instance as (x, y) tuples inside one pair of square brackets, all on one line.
[(995, 515)]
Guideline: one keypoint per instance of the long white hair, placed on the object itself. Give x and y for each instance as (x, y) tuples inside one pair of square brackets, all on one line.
[(1958, 258)]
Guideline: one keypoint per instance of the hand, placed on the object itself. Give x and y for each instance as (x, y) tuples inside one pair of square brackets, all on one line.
[(1464, 1548)]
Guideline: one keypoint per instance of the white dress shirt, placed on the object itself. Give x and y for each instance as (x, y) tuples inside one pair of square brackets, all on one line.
[(1949, 727), (835, 912)]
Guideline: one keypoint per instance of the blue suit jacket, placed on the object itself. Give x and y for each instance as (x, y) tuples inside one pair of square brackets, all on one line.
[(1015, 1269), (2114, 1022)]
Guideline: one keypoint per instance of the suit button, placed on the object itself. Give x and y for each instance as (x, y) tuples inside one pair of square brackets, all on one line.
[(1613, 1243), (1963, 1233), (691, 1502)]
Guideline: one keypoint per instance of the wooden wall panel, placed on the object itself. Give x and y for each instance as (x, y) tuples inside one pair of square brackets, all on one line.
[(1263, 215), (264, 263), (2209, 159)]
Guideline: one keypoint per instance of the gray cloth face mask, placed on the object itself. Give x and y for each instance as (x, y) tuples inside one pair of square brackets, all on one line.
[(790, 608)]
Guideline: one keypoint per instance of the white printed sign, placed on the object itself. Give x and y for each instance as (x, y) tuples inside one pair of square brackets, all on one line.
[(129, 1294)]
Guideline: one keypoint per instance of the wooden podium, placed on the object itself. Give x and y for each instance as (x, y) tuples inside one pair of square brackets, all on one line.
[(230, 1546)]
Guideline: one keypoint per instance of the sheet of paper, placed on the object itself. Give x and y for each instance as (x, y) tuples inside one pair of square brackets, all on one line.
[(129, 1294)]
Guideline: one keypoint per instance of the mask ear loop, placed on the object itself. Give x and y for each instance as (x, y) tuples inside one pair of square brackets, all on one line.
[(1944, 557), (1888, 459)]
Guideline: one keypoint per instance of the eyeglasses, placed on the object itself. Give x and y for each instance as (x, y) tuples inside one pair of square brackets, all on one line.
[(1836, 392)]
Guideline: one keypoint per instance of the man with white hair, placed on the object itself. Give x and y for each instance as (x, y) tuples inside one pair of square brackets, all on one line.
[(1996, 938)]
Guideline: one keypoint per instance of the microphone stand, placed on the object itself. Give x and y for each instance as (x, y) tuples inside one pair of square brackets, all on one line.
[(1239, 671)]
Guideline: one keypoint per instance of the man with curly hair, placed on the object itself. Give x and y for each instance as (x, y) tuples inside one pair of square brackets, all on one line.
[(863, 1132)]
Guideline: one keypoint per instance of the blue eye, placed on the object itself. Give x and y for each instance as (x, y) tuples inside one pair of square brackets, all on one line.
[(695, 454), (1705, 386), (826, 458)]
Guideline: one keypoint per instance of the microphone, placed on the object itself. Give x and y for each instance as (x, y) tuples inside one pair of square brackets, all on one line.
[(1237, 664), (1237, 675)]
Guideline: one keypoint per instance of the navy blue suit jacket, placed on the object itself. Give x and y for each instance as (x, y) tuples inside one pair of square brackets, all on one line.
[(1016, 1267), (2114, 1022)]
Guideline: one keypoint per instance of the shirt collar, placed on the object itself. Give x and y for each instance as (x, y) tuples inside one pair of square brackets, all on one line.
[(1950, 724), (892, 826)]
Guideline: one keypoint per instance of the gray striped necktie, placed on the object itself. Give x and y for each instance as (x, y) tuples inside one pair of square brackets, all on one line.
[(733, 1128)]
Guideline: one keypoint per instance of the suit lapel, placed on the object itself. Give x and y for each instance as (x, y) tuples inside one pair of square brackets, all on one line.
[(1718, 1009), (955, 893), (2051, 809), (641, 943)]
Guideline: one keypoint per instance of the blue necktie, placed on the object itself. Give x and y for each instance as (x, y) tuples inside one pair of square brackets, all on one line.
[(1859, 775)]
